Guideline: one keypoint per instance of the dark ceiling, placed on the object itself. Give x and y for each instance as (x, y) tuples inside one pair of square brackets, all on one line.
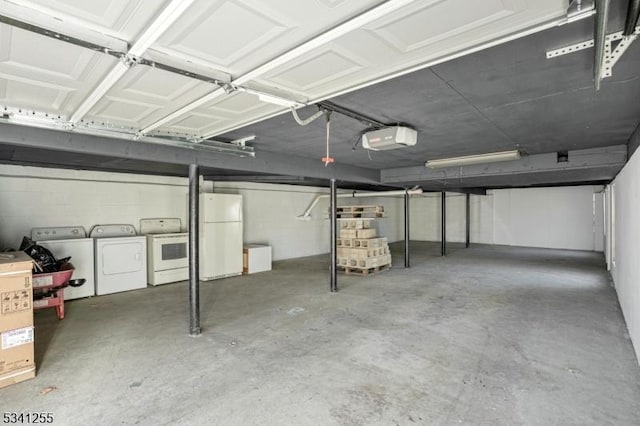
[(502, 98)]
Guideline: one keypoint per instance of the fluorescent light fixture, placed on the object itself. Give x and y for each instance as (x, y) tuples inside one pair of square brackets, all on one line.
[(276, 100), (473, 159), (114, 75), (158, 27), (271, 98)]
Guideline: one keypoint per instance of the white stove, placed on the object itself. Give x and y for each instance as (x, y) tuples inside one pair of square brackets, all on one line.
[(120, 258), (167, 250), (64, 241)]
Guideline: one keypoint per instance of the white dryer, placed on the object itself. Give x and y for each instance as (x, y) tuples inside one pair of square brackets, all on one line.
[(64, 241), (120, 258)]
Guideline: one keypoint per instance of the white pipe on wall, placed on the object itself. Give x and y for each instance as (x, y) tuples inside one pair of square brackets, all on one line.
[(307, 213)]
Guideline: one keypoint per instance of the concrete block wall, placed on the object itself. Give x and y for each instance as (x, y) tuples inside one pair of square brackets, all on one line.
[(392, 225), (34, 197), (425, 217), (270, 217), (542, 217)]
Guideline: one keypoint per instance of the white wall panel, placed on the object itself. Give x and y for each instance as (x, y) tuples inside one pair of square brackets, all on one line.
[(567, 217), (392, 225), (425, 217), (626, 234), (482, 218), (545, 217), (598, 221), (456, 217)]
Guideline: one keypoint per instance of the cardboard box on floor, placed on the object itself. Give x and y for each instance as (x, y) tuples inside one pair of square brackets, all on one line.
[(16, 319)]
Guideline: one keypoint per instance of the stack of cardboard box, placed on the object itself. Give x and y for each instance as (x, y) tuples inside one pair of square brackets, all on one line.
[(16, 319), (360, 250)]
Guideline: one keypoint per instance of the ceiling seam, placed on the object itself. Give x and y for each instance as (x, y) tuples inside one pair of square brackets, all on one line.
[(472, 105)]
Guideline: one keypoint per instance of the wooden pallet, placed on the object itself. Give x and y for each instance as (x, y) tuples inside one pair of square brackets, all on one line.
[(360, 209), (363, 272), (367, 263), (361, 215), (359, 212)]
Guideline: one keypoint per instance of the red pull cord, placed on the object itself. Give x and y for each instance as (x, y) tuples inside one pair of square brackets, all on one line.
[(327, 159)]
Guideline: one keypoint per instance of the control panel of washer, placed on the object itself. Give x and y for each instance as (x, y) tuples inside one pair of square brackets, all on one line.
[(116, 230), (58, 233)]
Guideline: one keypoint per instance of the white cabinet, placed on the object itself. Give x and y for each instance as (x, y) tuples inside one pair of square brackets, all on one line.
[(256, 258)]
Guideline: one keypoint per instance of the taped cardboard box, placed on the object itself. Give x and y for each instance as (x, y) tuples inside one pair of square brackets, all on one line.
[(15, 261), (17, 376), (16, 304), (16, 356), (16, 319)]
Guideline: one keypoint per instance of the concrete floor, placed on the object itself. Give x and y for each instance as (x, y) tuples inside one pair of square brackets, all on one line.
[(487, 335)]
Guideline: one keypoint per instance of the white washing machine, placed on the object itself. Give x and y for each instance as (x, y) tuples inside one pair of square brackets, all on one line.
[(64, 241), (120, 258)]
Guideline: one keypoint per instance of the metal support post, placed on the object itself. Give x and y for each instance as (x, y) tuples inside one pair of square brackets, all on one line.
[(333, 229), (468, 222), (194, 262), (406, 229), (443, 214)]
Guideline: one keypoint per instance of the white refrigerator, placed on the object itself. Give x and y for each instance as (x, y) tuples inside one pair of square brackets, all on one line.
[(220, 235)]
